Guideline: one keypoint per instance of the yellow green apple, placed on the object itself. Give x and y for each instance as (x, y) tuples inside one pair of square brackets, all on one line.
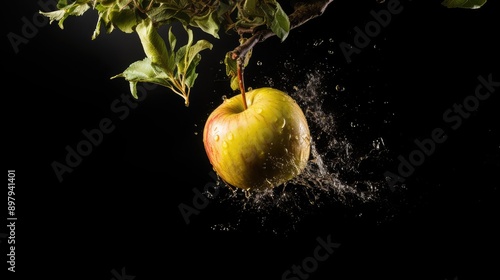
[(262, 146)]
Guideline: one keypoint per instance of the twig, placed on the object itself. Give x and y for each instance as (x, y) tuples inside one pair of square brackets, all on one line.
[(303, 12)]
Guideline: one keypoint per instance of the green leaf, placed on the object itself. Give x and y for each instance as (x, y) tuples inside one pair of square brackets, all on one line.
[(280, 24), (466, 4), (195, 49), (277, 19), (152, 43), (126, 20), (161, 13), (143, 71), (122, 3), (250, 6), (208, 23), (168, 13), (103, 12), (194, 59), (235, 84), (191, 74), (187, 53), (171, 56), (64, 3), (232, 70), (108, 2), (74, 9)]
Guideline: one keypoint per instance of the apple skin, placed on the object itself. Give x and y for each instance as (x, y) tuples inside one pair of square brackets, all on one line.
[(261, 147)]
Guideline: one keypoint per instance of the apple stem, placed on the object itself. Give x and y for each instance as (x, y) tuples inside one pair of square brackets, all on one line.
[(241, 82)]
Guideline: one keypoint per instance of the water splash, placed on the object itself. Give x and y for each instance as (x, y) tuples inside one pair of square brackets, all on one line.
[(342, 172), (348, 152), (334, 163)]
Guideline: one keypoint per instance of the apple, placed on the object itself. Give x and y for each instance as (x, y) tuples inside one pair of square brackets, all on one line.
[(260, 147)]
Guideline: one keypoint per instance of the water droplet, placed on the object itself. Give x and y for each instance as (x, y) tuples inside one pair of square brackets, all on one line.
[(259, 63), (318, 42), (339, 88), (195, 133), (283, 123), (216, 137), (230, 136), (286, 151), (247, 192), (221, 62), (331, 40), (378, 143), (249, 89), (330, 52), (224, 144), (224, 98), (259, 110)]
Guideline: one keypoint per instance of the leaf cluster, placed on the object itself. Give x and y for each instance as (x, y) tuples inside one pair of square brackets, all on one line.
[(167, 64)]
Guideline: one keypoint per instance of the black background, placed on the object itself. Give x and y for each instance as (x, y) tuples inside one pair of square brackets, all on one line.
[(119, 207)]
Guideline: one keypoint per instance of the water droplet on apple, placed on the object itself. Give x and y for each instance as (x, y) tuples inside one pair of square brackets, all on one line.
[(283, 124), (259, 110), (216, 137), (224, 144), (230, 136), (224, 98)]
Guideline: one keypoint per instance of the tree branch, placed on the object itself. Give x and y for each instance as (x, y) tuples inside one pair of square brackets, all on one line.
[(303, 12)]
